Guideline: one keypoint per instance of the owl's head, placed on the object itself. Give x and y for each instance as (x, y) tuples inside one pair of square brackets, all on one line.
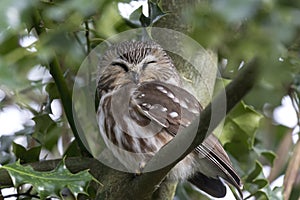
[(136, 62)]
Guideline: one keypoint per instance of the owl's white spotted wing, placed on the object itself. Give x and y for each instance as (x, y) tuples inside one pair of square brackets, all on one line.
[(168, 105), (172, 107)]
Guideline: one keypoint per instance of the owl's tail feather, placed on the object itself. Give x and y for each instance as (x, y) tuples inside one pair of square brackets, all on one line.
[(216, 164), (211, 186)]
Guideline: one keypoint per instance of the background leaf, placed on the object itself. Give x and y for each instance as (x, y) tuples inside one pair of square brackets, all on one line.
[(51, 183), (26, 156)]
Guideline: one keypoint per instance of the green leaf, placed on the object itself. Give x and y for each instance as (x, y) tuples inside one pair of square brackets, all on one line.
[(267, 193), (8, 44), (256, 183), (145, 21), (5, 145), (26, 156), (239, 130), (262, 182), (50, 184), (277, 193), (46, 131), (155, 12), (268, 154), (255, 172), (186, 191), (5, 142), (137, 18), (73, 150), (52, 91)]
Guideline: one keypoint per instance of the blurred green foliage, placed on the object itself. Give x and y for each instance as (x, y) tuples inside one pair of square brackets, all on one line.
[(237, 30)]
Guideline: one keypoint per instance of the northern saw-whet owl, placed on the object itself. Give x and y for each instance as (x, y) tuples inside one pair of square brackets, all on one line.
[(142, 106)]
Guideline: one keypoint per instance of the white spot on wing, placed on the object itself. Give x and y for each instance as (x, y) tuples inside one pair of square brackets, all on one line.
[(187, 100), (141, 95), (162, 89), (170, 95), (176, 100), (173, 114), (184, 104), (146, 105)]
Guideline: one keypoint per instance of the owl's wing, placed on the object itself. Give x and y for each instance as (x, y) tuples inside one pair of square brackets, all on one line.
[(167, 103), (173, 107)]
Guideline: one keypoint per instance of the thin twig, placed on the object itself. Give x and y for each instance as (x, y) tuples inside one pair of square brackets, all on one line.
[(291, 172), (79, 41), (63, 90), (87, 37), (295, 104)]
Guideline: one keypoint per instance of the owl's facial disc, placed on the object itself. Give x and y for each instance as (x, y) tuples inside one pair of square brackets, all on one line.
[(135, 71)]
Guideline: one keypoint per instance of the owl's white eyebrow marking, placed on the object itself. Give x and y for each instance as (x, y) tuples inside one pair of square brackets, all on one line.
[(162, 89), (173, 114), (150, 59)]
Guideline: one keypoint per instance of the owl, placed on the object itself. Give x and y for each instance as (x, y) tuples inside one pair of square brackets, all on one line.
[(142, 106)]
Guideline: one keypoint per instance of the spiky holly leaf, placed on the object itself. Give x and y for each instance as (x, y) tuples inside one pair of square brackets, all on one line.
[(138, 19), (155, 13), (52, 182), (26, 155)]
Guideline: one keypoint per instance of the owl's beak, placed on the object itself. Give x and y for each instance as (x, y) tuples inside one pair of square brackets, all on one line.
[(134, 77)]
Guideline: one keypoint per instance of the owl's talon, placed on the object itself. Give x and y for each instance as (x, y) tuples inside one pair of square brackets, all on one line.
[(142, 165), (139, 171)]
